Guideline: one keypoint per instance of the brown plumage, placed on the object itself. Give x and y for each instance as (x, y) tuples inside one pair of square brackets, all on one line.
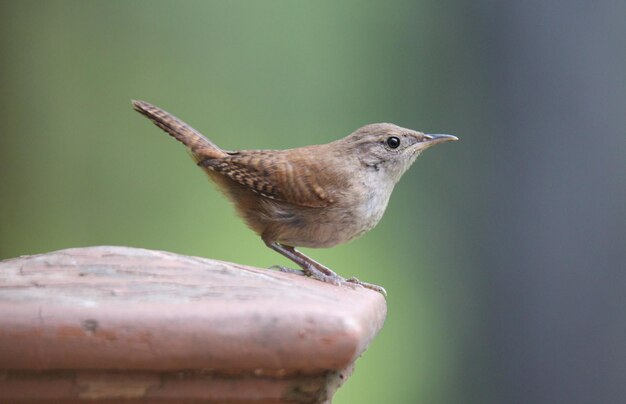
[(313, 196)]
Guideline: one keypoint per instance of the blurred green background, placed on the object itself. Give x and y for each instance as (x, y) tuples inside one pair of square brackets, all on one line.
[(503, 254)]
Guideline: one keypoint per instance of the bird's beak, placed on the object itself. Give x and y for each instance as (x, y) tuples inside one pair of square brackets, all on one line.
[(436, 139), (426, 141)]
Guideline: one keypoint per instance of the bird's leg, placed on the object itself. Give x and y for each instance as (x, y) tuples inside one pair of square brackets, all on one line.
[(324, 269), (329, 272), (314, 269), (310, 267)]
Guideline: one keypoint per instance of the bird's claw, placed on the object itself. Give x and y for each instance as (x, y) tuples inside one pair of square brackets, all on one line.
[(287, 270), (371, 286)]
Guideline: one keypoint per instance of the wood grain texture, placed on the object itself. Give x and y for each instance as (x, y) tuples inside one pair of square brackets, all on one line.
[(166, 321)]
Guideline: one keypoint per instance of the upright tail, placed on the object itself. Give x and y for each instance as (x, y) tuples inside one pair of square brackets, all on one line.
[(199, 146)]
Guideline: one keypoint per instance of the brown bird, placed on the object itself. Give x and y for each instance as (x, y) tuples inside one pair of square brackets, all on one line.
[(312, 196)]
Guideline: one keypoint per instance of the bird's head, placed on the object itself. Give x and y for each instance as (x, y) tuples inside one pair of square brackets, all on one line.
[(388, 148)]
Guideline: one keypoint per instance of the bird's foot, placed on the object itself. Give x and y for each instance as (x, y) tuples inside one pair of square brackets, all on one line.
[(288, 270), (316, 274), (333, 279), (371, 286)]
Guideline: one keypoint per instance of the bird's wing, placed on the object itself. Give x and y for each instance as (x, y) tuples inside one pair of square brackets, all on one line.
[(285, 175)]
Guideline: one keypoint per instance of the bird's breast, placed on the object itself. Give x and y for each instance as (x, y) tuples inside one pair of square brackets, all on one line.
[(368, 212)]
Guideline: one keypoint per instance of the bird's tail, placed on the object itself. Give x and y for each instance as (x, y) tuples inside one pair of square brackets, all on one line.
[(199, 146)]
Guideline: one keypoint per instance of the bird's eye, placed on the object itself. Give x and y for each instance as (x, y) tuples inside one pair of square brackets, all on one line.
[(393, 142)]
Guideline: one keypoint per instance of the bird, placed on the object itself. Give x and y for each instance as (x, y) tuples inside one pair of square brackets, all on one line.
[(314, 196)]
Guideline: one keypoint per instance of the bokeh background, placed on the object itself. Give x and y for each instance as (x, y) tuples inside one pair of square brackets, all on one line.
[(504, 254)]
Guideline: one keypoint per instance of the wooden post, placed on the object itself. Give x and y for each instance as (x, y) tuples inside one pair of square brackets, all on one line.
[(118, 323)]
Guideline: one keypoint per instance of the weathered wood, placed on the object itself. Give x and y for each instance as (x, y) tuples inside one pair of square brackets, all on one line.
[(110, 323)]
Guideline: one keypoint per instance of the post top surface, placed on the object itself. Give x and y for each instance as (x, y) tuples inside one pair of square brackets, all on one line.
[(128, 308)]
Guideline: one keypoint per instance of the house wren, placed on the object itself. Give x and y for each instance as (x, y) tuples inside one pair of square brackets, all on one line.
[(313, 196)]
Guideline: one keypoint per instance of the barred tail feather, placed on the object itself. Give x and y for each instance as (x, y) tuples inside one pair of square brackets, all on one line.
[(199, 146)]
